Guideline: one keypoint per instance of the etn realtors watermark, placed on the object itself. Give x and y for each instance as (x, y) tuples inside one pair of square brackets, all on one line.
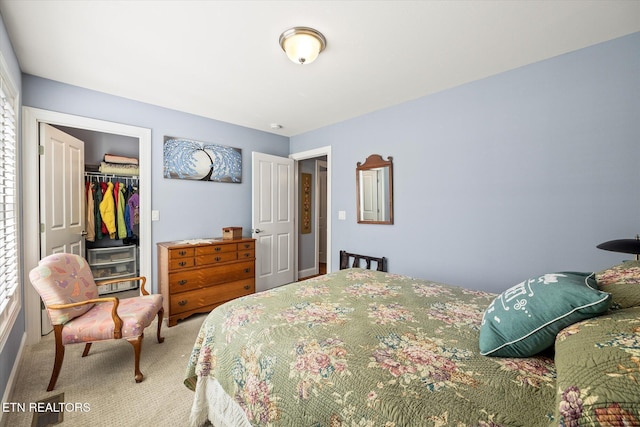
[(45, 407)]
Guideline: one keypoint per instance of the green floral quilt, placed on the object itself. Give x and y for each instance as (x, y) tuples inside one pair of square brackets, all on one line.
[(598, 362), (362, 348)]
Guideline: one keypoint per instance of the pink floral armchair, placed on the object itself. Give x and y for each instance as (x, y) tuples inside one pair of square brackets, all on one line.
[(79, 315)]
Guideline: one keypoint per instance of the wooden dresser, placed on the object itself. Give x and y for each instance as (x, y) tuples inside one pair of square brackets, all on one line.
[(195, 278)]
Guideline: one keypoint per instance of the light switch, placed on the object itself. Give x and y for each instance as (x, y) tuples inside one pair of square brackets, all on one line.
[(155, 215), (342, 215)]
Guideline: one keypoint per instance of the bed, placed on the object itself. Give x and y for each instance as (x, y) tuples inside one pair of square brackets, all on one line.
[(362, 347)]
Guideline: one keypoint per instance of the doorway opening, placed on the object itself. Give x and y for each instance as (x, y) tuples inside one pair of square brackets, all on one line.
[(31, 119), (313, 256), (312, 233)]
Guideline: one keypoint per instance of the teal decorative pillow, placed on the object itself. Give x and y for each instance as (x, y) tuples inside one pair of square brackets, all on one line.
[(525, 319), (622, 281)]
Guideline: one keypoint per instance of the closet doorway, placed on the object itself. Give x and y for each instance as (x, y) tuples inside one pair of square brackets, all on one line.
[(30, 186)]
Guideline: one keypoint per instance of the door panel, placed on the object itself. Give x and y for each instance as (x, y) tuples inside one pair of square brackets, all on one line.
[(284, 261), (266, 257)]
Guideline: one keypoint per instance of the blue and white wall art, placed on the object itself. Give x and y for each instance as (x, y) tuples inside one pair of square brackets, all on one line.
[(188, 159)]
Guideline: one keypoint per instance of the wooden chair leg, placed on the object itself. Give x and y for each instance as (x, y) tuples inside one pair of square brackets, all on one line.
[(137, 346), (87, 347), (160, 316), (57, 364)]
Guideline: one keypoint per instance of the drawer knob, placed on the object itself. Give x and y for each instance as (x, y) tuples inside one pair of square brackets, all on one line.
[(246, 246), (217, 258), (182, 253), (246, 254), (218, 248), (182, 303), (247, 287), (247, 270), (182, 263), (182, 282)]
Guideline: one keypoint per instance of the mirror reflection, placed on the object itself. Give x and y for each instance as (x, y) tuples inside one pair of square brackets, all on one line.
[(374, 187)]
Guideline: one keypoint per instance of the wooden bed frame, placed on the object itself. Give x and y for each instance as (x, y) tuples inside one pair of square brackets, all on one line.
[(381, 262)]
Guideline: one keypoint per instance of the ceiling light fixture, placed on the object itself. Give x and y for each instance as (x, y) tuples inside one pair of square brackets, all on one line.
[(302, 44)]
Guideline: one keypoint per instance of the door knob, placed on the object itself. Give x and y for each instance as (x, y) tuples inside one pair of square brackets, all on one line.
[(257, 230), (83, 233)]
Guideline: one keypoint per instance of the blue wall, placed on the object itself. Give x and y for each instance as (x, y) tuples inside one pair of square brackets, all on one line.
[(518, 174), (9, 352), (188, 209)]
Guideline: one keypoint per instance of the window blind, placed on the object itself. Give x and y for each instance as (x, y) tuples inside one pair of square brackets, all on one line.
[(8, 202)]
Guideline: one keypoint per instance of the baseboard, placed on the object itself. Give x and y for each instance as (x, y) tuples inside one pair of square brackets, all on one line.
[(308, 272), (8, 391)]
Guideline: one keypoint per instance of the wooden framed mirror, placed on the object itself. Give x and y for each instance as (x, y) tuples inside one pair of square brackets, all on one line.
[(374, 190)]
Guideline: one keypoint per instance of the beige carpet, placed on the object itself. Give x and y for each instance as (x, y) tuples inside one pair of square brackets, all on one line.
[(102, 386)]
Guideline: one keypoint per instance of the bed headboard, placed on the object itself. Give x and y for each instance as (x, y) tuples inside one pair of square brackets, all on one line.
[(381, 263)]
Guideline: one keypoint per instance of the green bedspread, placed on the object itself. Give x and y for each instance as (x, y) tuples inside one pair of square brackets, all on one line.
[(365, 348), (598, 362)]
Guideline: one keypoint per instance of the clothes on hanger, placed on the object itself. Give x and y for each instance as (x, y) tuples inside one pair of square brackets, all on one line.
[(121, 225), (127, 212), (91, 217), (108, 210), (112, 207), (98, 199), (134, 210)]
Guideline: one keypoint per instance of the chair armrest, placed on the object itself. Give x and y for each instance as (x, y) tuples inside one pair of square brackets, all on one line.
[(142, 279), (79, 303), (117, 321)]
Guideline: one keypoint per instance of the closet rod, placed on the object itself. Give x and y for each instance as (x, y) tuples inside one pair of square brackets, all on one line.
[(110, 175), (99, 176)]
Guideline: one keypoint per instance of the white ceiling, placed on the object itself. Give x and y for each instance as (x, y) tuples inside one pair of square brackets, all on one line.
[(221, 59)]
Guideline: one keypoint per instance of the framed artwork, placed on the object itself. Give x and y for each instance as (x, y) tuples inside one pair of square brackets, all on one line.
[(305, 203), (200, 161)]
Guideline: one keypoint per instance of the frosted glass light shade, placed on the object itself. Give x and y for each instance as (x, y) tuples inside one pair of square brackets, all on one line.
[(302, 44)]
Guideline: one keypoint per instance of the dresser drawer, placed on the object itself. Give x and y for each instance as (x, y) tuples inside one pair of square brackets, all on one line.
[(216, 258), (246, 245), (181, 253), (195, 299), (177, 264), (248, 254), (210, 276), (215, 249), (185, 280)]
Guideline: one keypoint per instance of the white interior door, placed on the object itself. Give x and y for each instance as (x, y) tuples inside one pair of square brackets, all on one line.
[(62, 200), (272, 224)]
